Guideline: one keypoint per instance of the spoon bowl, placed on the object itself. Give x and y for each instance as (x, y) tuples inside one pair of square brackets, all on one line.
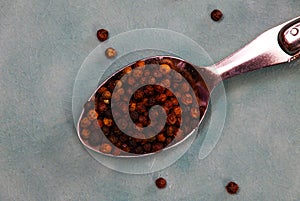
[(125, 106)]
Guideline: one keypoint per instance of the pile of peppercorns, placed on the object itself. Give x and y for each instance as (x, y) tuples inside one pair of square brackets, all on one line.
[(169, 83)]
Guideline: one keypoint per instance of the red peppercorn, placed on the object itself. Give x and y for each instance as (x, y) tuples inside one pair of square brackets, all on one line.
[(216, 15), (140, 107), (170, 131), (151, 101), (143, 120), (147, 73), (106, 95), (185, 87), (232, 188), (161, 98), (187, 99), (177, 77), (174, 101), (168, 62), (171, 119), (113, 139), (195, 112), (123, 107), (94, 139), (102, 35), (132, 106), (166, 83), (161, 137), (122, 124), (140, 63), (168, 140), (147, 147), (168, 104), (124, 138), (177, 111), (159, 89), (157, 146), (125, 148), (179, 135), (105, 130), (139, 94), (139, 150), (105, 148), (130, 80), (161, 183), (134, 115), (110, 52)]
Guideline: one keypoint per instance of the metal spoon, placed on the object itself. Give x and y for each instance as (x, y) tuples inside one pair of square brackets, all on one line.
[(278, 45)]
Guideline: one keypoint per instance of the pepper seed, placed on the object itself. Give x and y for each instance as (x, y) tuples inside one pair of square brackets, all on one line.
[(161, 183), (216, 15), (110, 52), (232, 188), (102, 35)]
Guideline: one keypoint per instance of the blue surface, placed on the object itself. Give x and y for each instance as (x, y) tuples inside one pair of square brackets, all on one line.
[(43, 44)]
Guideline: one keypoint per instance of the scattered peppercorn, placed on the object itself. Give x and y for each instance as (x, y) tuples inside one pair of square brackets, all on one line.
[(232, 188), (161, 183), (110, 52), (216, 15), (102, 35)]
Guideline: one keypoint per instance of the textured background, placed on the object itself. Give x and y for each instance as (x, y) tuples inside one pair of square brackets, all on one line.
[(42, 46)]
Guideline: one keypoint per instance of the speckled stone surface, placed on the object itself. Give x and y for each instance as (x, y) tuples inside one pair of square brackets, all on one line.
[(43, 44)]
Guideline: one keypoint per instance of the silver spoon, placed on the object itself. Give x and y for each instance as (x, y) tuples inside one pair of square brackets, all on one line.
[(278, 45)]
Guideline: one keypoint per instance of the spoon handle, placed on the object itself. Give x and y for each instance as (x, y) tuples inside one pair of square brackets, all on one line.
[(277, 45)]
